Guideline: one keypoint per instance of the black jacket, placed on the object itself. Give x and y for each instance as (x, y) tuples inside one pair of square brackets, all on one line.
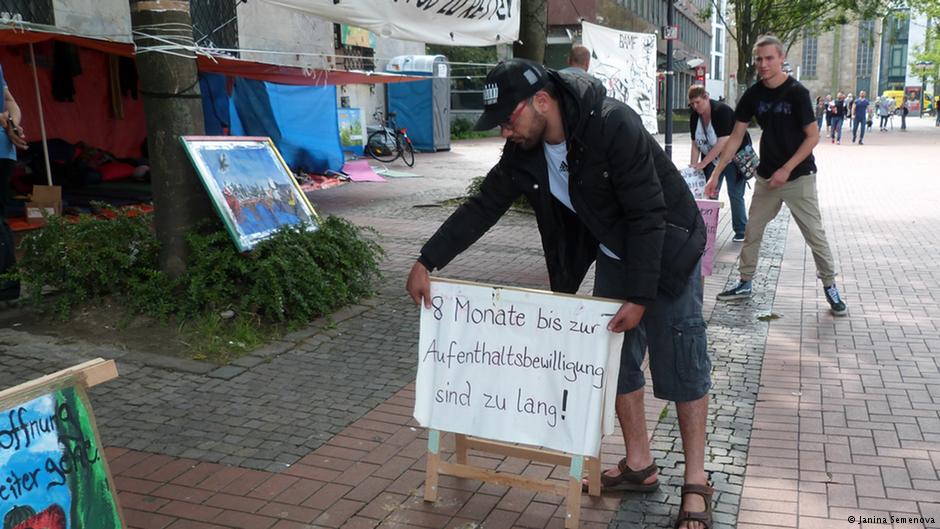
[(624, 188)]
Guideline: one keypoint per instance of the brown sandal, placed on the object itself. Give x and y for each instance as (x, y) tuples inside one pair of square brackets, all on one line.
[(702, 517), (629, 480)]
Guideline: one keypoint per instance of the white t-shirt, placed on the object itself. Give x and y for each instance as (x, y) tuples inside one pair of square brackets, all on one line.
[(556, 156), (705, 137)]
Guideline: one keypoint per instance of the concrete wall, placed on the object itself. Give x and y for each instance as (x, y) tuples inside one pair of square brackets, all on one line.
[(97, 18), (271, 27)]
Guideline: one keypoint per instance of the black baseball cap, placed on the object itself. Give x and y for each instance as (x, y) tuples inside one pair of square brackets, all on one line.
[(509, 83)]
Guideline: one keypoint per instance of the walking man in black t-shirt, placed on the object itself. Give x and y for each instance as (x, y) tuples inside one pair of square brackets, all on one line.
[(787, 170)]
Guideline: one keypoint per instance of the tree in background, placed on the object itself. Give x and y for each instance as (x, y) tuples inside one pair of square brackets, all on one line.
[(533, 30), (747, 20)]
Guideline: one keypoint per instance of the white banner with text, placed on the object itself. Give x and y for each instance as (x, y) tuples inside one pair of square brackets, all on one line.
[(516, 365), (449, 22), (626, 63)]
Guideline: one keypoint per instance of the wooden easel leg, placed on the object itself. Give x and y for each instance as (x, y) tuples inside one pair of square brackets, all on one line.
[(433, 466), (594, 476), (573, 518), (461, 448)]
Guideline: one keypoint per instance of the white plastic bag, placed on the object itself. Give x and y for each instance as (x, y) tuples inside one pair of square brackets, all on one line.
[(695, 179)]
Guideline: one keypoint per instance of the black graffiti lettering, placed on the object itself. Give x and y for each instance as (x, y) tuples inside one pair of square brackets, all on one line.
[(451, 7), (426, 4), (472, 11)]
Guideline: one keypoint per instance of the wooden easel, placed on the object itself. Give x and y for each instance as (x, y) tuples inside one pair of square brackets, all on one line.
[(461, 469)]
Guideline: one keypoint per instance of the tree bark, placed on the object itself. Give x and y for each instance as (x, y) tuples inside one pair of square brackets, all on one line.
[(172, 107), (532, 30)]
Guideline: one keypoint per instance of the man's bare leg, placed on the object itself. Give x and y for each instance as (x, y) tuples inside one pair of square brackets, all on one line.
[(632, 417), (692, 418)]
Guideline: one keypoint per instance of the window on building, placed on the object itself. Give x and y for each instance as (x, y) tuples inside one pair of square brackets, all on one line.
[(810, 53), (898, 66), (866, 48), (215, 24), (718, 68), (35, 11), (719, 39)]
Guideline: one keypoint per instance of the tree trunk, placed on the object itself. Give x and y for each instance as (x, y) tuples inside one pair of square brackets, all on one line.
[(532, 30), (173, 107)]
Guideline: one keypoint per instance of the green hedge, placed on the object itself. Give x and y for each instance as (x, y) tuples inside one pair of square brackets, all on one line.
[(291, 278)]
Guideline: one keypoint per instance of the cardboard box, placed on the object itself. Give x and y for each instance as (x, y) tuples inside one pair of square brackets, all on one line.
[(46, 200)]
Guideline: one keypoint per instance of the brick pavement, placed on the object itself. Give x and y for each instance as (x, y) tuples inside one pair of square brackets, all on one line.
[(845, 418)]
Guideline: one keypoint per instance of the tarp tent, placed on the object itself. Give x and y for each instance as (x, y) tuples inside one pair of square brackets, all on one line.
[(90, 117)]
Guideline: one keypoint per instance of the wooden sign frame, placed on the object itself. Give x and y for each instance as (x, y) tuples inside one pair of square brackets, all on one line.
[(81, 377), (571, 490)]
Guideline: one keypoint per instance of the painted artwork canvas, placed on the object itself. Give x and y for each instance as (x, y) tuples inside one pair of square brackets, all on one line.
[(251, 187), (54, 471)]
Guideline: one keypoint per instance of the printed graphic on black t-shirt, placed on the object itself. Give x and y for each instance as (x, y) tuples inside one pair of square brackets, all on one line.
[(782, 114)]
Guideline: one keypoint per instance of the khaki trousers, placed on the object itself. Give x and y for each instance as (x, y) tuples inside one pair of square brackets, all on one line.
[(800, 196)]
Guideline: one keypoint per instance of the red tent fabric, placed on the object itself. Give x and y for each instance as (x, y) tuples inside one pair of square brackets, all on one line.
[(89, 117)]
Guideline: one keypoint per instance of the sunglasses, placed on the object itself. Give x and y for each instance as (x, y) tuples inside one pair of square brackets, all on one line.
[(508, 125)]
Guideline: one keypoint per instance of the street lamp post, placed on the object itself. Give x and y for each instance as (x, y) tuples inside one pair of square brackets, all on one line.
[(670, 74), (923, 67)]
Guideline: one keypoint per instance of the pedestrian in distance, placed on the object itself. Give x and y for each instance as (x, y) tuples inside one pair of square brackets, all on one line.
[(839, 110), (820, 112), (579, 60), (905, 110), (828, 113), (884, 112), (603, 192), (711, 123), (936, 110), (859, 117), (787, 170)]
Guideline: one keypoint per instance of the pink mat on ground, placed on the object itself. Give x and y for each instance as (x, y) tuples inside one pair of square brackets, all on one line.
[(359, 171)]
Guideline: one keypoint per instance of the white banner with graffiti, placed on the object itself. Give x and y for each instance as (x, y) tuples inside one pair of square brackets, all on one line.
[(450, 22), (626, 63)]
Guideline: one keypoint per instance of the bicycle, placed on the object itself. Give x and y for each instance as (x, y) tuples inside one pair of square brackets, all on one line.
[(390, 142)]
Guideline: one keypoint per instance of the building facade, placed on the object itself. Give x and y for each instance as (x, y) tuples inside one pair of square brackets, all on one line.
[(845, 59)]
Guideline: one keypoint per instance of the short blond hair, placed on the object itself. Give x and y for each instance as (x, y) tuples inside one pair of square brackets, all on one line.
[(769, 40)]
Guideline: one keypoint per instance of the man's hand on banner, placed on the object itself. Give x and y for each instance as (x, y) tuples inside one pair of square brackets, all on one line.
[(627, 317), (419, 285)]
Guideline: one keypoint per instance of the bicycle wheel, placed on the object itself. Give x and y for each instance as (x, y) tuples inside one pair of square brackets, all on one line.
[(381, 146), (407, 152)]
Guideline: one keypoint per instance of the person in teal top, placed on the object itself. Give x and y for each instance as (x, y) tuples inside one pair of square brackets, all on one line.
[(12, 138)]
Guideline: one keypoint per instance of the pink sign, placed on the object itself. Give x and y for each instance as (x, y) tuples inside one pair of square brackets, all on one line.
[(709, 210)]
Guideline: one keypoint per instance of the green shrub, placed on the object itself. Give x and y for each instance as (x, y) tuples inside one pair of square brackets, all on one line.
[(462, 129), (87, 259), (290, 278)]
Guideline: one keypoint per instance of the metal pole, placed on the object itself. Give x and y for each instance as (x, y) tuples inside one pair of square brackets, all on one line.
[(670, 81), (42, 122)]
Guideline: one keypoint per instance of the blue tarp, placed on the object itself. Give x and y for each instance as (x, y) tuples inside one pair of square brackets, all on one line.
[(214, 103), (301, 120), (412, 103)]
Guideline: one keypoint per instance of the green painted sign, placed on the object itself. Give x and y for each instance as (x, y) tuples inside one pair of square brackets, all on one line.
[(54, 474)]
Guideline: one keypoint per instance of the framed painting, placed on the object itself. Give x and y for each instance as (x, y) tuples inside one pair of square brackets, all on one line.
[(251, 187)]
